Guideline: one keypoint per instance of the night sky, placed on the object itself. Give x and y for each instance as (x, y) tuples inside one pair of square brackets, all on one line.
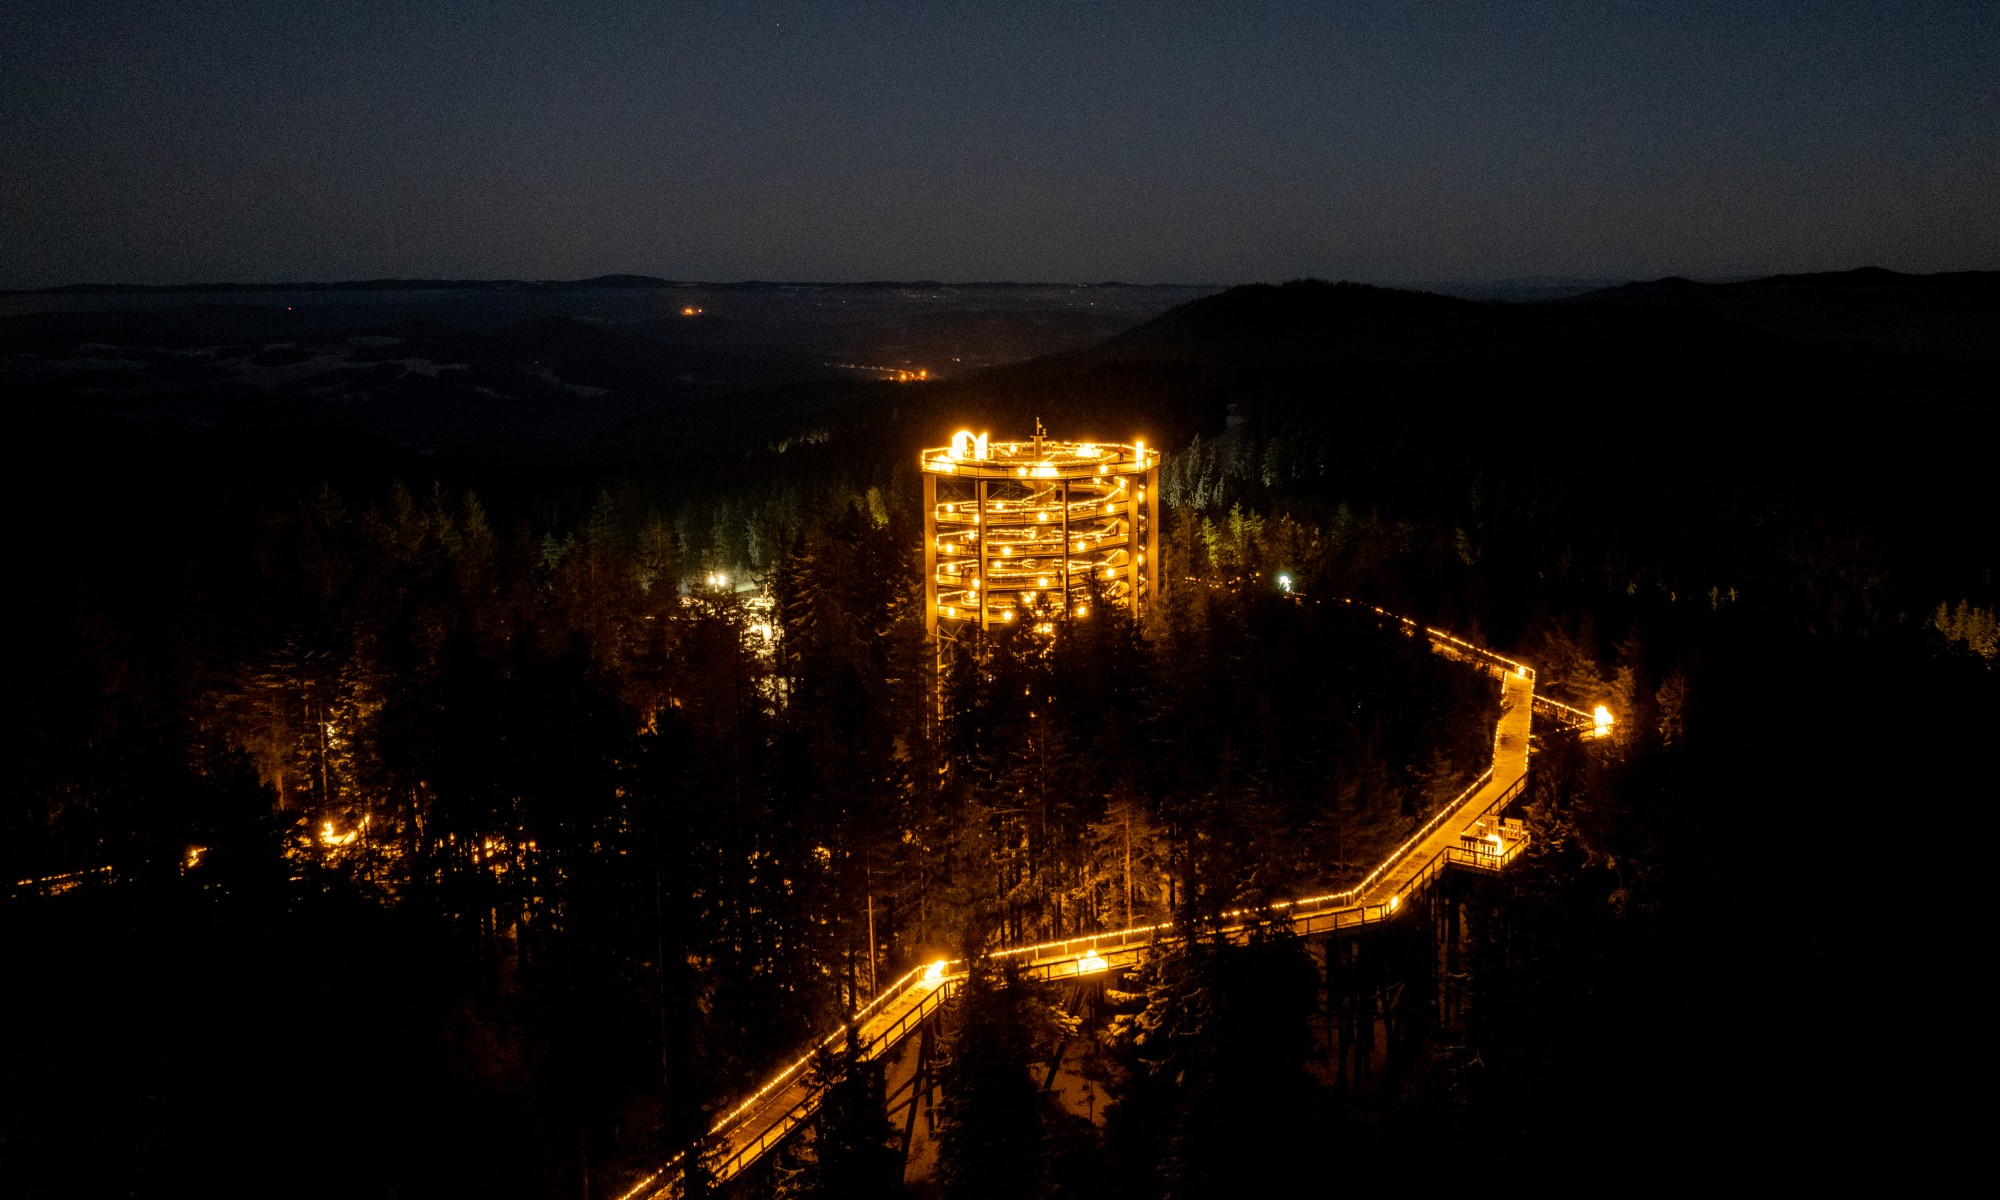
[(1394, 142)]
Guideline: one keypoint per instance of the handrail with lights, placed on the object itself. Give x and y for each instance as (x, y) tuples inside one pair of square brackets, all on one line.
[(1310, 915), (1598, 723), (1301, 907), (1556, 710), (937, 986), (806, 1105)]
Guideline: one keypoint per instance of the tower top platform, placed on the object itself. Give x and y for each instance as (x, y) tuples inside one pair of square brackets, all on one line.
[(1040, 458)]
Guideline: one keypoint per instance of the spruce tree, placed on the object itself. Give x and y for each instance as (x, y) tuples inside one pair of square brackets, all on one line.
[(852, 1136), (990, 1142)]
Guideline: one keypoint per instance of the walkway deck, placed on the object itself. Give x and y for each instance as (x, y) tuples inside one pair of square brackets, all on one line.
[(1510, 767), (1439, 842)]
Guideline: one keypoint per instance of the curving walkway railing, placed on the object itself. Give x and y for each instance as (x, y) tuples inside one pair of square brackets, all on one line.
[(931, 998), (763, 1120)]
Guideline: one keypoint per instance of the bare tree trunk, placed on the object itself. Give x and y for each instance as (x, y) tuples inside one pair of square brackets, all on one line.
[(873, 987), (1128, 866)]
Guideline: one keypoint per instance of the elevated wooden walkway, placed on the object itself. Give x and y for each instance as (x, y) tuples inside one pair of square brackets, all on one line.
[(1466, 833)]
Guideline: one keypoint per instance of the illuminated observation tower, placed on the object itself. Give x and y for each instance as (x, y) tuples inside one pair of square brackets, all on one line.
[(1025, 531)]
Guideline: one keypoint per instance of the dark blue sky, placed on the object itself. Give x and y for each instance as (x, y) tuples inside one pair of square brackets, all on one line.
[(158, 141)]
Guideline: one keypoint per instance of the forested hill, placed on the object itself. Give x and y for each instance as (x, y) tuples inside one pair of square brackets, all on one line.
[(1310, 322), (1573, 378), (1787, 322), (1956, 314)]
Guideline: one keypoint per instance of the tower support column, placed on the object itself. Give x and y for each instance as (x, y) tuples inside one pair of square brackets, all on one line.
[(1151, 507), (930, 553)]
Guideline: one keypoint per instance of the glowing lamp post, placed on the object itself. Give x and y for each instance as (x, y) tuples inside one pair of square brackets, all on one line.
[(1021, 531)]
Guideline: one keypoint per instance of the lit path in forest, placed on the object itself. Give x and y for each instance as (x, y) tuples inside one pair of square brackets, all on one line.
[(1466, 833)]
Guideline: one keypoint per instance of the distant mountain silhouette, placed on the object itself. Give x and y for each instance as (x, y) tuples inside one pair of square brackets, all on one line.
[(1311, 324), (1955, 314), (597, 282), (1673, 324), (349, 285), (1369, 366)]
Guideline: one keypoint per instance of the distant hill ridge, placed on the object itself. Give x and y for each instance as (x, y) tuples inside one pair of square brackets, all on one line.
[(596, 283), (1312, 324), (1955, 314), (1860, 281), (1670, 322)]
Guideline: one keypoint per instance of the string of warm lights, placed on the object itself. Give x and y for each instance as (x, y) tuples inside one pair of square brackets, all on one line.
[(1598, 722), (788, 1073), (1098, 941), (1341, 916), (804, 1107), (64, 881), (937, 988)]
